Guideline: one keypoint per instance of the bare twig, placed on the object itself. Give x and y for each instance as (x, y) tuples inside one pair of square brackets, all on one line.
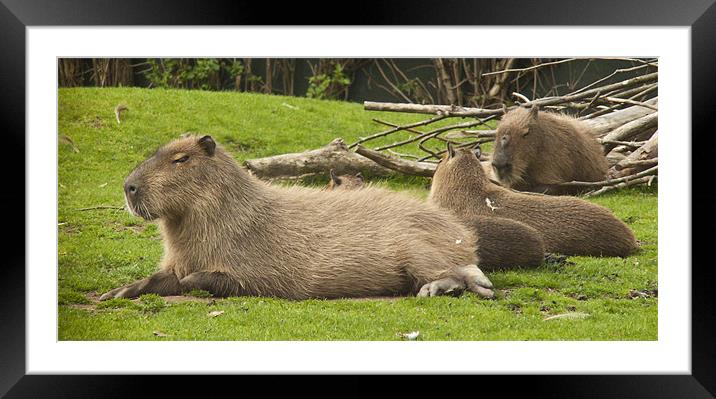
[(530, 68), (395, 163), (646, 179), (648, 172), (92, 208), (405, 127)]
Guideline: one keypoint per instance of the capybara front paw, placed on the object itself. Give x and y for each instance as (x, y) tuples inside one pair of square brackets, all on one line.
[(119, 292), (477, 282), (446, 286)]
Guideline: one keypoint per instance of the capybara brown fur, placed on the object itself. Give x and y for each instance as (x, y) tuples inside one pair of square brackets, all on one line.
[(501, 243), (569, 225), (345, 182), (504, 243), (226, 232), (536, 151)]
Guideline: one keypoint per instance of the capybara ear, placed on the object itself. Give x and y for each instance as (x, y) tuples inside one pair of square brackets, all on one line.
[(450, 150), (359, 175), (208, 144), (477, 151), (335, 178)]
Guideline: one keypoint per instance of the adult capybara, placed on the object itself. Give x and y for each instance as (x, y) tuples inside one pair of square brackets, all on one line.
[(226, 232), (345, 182), (501, 243), (536, 151), (569, 225)]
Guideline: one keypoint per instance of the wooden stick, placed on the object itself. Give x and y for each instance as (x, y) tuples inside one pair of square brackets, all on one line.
[(396, 129), (632, 144), (631, 129), (648, 172), (395, 163), (530, 68), (606, 123), (91, 208), (647, 151), (442, 110), (642, 180), (632, 102), (636, 163)]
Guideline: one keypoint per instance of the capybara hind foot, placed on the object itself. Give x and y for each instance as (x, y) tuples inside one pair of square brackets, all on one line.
[(444, 286), (476, 281), (216, 283), (161, 283)]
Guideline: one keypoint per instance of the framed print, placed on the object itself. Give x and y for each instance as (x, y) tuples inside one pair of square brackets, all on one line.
[(260, 163)]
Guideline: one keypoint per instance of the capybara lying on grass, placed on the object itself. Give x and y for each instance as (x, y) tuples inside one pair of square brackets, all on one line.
[(226, 232), (536, 151), (569, 225)]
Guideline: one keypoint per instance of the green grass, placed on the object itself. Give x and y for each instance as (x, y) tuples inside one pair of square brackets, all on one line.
[(101, 249)]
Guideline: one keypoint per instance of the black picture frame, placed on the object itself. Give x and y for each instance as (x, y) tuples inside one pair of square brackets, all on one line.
[(16, 15)]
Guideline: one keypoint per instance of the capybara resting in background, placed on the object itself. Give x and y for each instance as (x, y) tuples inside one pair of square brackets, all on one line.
[(501, 243), (345, 182), (536, 151), (504, 243), (226, 232), (569, 225)]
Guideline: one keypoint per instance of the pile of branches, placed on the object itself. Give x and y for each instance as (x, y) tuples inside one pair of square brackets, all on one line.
[(622, 113)]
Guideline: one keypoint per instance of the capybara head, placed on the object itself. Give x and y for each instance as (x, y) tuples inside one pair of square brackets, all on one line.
[(169, 181), (515, 142), (345, 182), (458, 167)]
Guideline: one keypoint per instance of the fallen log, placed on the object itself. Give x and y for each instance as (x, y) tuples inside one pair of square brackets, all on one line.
[(631, 129), (639, 159), (601, 125), (441, 110), (334, 156)]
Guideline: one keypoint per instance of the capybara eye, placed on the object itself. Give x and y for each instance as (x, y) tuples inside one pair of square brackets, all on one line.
[(182, 159)]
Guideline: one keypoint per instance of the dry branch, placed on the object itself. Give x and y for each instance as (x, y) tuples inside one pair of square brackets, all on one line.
[(320, 161), (651, 171), (395, 129), (641, 180), (631, 129), (407, 167), (442, 110), (606, 123), (637, 160)]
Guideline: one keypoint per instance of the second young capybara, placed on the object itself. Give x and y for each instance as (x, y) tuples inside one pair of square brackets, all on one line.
[(569, 225)]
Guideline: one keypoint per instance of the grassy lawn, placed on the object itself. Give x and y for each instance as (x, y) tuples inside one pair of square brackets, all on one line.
[(100, 249)]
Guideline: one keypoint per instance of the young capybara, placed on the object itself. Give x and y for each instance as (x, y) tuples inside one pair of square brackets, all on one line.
[(501, 243), (228, 233), (569, 225), (504, 243), (536, 151), (345, 182)]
